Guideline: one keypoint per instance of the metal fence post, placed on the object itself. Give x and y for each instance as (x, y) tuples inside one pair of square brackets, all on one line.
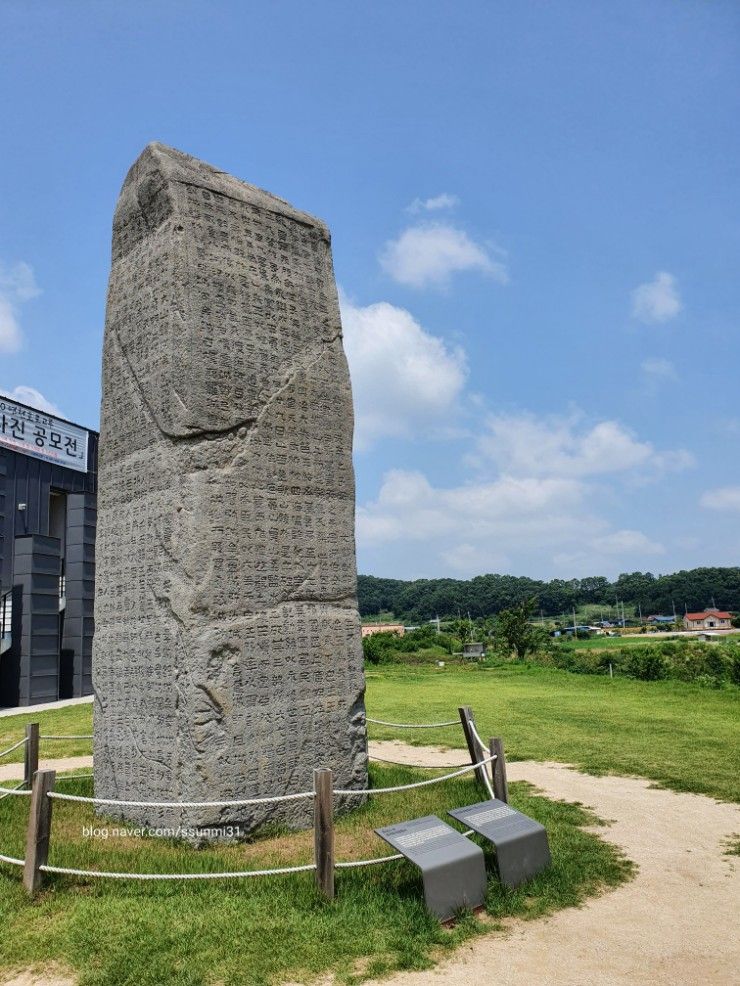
[(323, 829), (31, 761), (39, 829)]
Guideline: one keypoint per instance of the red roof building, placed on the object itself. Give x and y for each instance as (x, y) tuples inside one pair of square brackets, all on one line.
[(710, 619)]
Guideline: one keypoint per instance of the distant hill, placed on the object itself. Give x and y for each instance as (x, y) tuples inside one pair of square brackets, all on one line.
[(423, 599)]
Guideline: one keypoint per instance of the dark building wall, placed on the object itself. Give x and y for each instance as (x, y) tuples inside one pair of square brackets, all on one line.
[(38, 564), (79, 624), (30, 672), (3, 536), (29, 480)]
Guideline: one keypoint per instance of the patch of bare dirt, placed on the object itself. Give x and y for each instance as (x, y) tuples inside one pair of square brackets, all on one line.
[(677, 922)]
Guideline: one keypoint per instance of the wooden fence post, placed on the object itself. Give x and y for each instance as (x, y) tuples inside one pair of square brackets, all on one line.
[(31, 763), (466, 714), (39, 829), (498, 766), (323, 829)]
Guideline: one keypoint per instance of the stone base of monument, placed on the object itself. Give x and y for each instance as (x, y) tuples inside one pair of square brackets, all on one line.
[(201, 826)]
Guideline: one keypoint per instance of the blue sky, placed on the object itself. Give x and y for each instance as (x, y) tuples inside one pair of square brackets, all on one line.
[(535, 211)]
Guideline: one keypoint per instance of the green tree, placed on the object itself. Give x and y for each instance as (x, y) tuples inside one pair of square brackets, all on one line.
[(514, 628)]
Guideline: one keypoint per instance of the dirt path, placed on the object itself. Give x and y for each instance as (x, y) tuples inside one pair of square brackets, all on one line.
[(677, 922), (14, 771)]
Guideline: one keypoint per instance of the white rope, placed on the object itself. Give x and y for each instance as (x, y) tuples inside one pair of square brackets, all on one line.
[(428, 766), (177, 876), (378, 859), (413, 725), (481, 744), (183, 804), (408, 787), (72, 777), (12, 860), (367, 862), (14, 747), (64, 737), (5, 791), (483, 750)]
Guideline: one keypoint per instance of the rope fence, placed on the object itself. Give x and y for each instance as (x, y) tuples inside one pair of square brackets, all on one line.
[(43, 794), (12, 861), (13, 748), (409, 787), (6, 792), (57, 796), (116, 875), (422, 766), (413, 725)]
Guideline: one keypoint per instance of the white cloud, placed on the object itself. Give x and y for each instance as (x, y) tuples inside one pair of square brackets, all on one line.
[(659, 368), (427, 255), (10, 330), (17, 285), (467, 558), (722, 498), (434, 204), (657, 300), (526, 445), (507, 509), (404, 379), (532, 495), (32, 397), (626, 542)]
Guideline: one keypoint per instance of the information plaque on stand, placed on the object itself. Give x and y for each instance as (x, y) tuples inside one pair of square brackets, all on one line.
[(453, 867), (522, 849)]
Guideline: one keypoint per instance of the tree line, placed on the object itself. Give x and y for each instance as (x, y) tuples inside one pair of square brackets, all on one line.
[(486, 595)]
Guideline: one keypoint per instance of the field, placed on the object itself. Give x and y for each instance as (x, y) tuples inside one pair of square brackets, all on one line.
[(681, 736), (627, 639)]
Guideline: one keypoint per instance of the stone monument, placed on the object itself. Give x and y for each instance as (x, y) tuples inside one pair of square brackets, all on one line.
[(227, 653)]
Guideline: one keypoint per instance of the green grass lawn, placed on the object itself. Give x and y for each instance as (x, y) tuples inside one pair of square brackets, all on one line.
[(683, 736), (629, 639), (266, 930), (74, 720), (259, 931)]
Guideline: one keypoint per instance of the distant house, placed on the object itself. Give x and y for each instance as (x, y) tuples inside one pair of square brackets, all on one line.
[(370, 628), (710, 619), (474, 650), (661, 619), (570, 630)]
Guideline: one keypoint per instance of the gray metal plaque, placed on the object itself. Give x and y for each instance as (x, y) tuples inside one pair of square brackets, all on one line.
[(522, 849), (453, 868)]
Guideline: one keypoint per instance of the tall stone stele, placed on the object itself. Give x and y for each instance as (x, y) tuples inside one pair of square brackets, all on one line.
[(227, 654)]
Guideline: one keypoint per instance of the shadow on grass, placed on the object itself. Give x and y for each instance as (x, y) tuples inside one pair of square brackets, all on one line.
[(270, 930)]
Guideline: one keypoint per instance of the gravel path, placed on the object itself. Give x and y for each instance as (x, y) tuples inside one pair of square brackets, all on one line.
[(14, 771), (676, 924)]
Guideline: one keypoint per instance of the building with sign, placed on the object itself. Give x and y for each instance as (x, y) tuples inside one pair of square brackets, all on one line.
[(48, 496)]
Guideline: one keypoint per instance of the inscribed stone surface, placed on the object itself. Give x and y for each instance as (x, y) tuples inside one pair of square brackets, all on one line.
[(227, 654)]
